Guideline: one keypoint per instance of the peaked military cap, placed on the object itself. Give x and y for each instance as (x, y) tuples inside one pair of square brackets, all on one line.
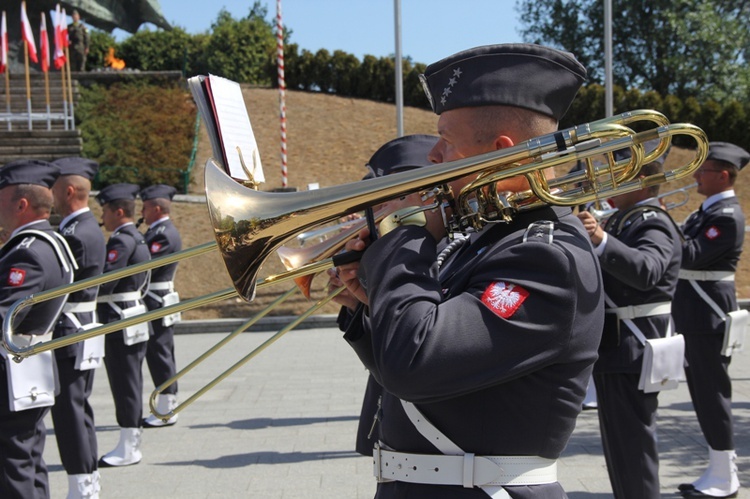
[(75, 165), (401, 154), (117, 191), (29, 171), (522, 75), (730, 153), (162, 191)]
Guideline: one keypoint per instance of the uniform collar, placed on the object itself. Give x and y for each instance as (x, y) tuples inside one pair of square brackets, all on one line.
[(711, 200), (160, 221), (70, 217), (123, 226), (26, 226)]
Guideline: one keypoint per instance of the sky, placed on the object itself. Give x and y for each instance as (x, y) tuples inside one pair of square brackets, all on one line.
[(430, 29)]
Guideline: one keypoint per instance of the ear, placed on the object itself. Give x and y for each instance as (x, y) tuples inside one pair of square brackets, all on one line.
[(503, 142), (23, 205)]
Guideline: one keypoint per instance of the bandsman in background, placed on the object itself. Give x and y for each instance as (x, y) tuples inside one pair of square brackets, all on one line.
[(124, 349), (639, 250), (705, 295), (398, 155), (162, 239), (72, 414), (34, 259)]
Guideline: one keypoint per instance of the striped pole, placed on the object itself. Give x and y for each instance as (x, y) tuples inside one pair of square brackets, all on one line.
[(282, 89)]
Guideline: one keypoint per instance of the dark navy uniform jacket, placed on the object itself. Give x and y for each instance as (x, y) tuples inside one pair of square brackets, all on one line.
[(497, 352), (640, 264), (125, 247), (162, 239), (87, 243), (713, 241), (28, 265)]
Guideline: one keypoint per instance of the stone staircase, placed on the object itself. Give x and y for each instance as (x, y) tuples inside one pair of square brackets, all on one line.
[(47, 138)]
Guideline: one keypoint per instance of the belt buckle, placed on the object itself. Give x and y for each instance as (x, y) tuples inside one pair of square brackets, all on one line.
[(377, 458)]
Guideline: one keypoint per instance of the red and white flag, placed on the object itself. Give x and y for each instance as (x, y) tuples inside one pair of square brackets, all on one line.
[(64, 29), (3, 45), (59, 57), (27, 34), (44, 44)]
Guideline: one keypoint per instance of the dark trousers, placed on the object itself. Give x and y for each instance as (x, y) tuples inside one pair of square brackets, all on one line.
[(627, 421), (707, 374), (73, 418), (123, 364), (160, 355), (23, 472)]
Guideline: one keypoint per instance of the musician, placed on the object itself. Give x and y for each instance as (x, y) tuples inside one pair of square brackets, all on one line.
[(72, 414), (490, 354), (124, 349), (33, 260), (162, 239), (713, 243), (639, 250), (398, 155)]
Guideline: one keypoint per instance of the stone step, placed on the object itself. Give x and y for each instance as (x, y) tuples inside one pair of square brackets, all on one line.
[(33, 149), (50, 141)]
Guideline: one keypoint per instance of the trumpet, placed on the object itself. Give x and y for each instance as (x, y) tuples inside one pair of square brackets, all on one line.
[(249, 225)]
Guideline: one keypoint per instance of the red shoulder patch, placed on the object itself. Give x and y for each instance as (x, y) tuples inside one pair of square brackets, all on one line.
[(16, 276), (503, 298), (112, 255), (712, 232), (155, 247)]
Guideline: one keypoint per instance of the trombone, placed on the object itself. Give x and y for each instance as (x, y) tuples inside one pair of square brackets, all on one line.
[(249, 225)]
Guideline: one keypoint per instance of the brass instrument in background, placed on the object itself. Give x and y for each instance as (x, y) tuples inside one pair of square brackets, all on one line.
[(249, 225), (684, 192)]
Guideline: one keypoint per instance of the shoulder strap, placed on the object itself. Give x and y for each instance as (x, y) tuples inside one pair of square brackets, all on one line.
[(636, 210), (60, 245)]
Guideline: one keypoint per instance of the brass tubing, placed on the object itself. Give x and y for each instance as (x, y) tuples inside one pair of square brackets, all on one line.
[(238, 364), (214, 349)]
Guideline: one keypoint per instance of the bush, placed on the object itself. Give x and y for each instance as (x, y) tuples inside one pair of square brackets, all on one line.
[(99, 44), (138, 133)]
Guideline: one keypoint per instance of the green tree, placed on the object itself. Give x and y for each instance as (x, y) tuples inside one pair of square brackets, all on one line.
[(160, 50), (681, 47), (241, 49)]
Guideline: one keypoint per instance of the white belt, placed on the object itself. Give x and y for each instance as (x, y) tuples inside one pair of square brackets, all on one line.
[(118, 297), (161, 286), (79, 307), (707, 275), (467, 470), (645, 310)]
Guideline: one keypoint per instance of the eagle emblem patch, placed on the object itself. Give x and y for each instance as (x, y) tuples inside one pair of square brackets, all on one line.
[(155, 247), (112, 255), (712, 232), (16, 277), (504, 298)]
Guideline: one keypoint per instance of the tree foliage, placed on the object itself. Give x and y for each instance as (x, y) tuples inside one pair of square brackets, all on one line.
[(681, 47)]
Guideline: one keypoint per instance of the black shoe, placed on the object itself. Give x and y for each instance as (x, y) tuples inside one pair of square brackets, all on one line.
[(697, 493), (685, 486)]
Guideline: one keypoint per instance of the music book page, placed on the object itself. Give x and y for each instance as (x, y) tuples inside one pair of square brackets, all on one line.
[(225, 105)]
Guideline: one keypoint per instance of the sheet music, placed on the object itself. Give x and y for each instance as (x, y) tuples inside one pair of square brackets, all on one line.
[(221, 102)]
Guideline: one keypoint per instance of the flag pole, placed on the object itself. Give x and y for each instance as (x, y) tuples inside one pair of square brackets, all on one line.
[(7, 98), (28, 80), (282, 89), (70, 90), (65, 95), (44, 42)]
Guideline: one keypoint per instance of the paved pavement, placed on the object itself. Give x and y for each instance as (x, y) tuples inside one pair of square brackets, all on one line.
[(283, 427)]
